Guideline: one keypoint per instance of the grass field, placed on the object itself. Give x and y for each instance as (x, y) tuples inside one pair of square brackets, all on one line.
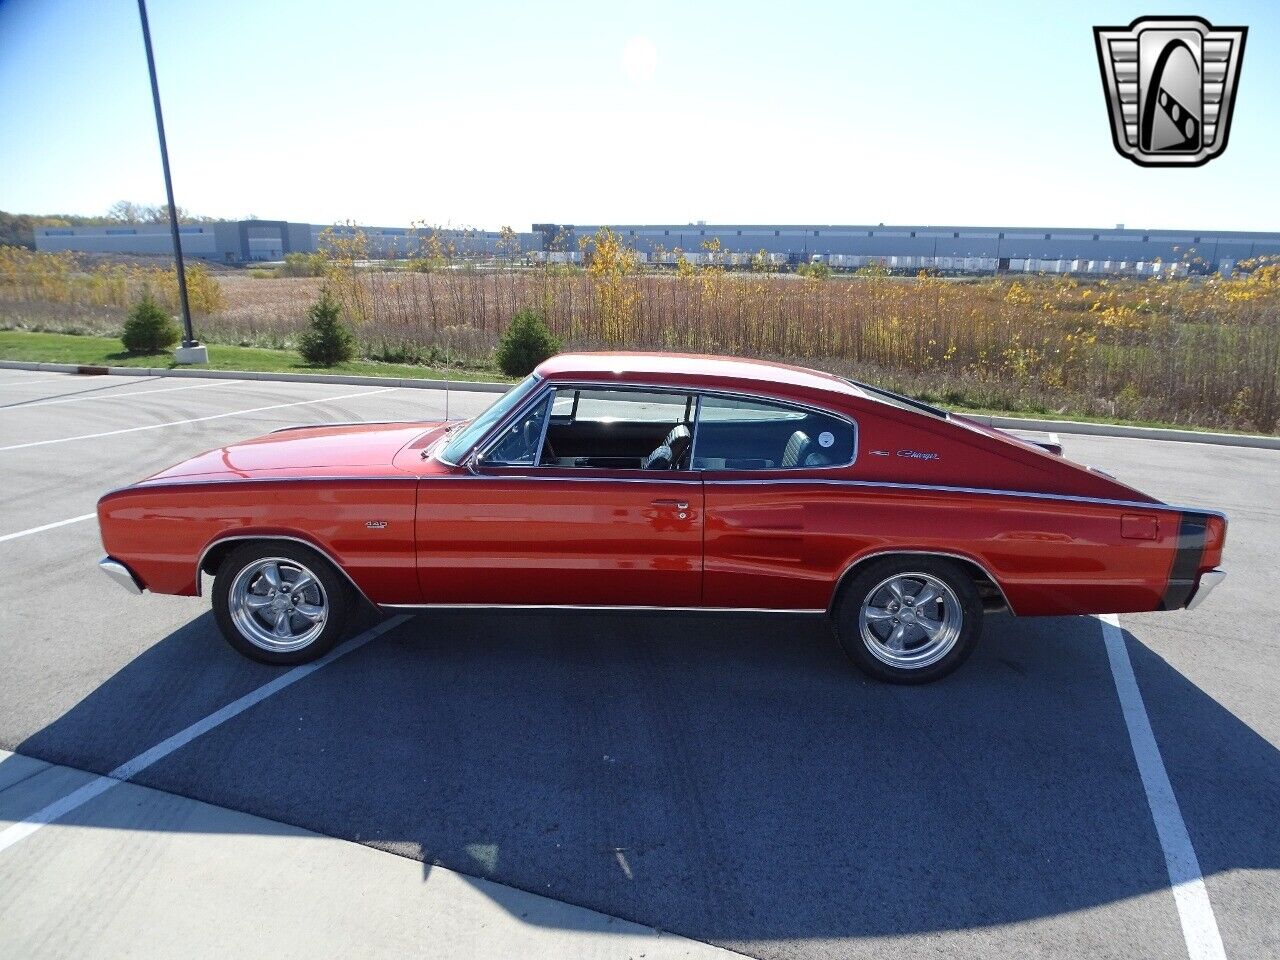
[(106, 352)]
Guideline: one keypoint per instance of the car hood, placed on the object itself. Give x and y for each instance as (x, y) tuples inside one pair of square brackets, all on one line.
[(360, 448)]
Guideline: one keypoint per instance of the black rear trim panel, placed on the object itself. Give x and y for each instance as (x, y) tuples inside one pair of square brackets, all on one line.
[(1185, 571)]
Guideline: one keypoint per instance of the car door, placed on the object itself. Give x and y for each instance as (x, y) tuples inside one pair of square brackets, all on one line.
[(770, 516), (516, 530)]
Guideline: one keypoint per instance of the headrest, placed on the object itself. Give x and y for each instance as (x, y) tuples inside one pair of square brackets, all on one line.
[(660, 459)]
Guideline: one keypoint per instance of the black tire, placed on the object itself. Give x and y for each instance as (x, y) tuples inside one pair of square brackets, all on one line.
[(958, 620), (332, 591)]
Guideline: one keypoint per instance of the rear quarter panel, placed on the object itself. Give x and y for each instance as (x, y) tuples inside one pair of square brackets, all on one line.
[(1037, 523), (786, 544)]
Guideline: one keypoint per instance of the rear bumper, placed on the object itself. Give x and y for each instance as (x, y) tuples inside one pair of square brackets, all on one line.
[(1208, 580), (121, 574)]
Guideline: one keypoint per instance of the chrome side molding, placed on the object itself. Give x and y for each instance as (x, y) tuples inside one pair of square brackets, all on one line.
[(121, 574), (1208, 581), (610, 608)]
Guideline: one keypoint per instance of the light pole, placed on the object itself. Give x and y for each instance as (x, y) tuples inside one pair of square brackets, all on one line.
[(191, 350)]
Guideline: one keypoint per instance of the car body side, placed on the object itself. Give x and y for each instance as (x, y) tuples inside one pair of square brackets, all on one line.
[(1046, 536)]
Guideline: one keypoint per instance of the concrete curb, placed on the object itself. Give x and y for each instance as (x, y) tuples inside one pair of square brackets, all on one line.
[(1133, 433), (477, 386)]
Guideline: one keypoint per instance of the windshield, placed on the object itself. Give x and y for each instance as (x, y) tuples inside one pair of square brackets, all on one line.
[(468, 436)]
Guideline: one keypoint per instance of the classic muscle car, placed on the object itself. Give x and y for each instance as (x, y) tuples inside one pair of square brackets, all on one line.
[(661, 481)]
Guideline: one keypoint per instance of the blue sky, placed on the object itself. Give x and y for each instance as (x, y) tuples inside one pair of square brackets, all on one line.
[(491, 114)]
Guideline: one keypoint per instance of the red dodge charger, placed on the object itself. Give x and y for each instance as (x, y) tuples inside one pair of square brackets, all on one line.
[(661, 481)]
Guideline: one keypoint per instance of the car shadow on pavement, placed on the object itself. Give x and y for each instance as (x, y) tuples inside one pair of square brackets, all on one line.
[(728, 778)]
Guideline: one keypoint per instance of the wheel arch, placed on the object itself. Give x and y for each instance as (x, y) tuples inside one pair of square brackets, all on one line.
[(993, 596), (215, 552)]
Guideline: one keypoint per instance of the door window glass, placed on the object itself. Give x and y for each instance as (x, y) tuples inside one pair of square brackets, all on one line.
[(630, 405), (619, 429)]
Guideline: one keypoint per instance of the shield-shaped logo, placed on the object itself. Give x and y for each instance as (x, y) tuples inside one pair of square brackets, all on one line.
[(1170, 84)]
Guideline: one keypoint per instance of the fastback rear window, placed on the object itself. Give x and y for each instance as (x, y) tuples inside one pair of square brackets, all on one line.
[(899, 401)]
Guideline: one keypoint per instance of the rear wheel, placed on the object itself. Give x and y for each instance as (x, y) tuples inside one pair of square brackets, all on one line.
[(280, 602), (909, 619)]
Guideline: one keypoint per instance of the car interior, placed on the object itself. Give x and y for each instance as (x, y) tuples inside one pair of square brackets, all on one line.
[(620, 430)]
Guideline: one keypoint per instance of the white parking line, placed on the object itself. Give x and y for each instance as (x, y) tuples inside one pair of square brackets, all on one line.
[(117, 396), (178, 423), (47, 526), (131, 768), (1199, 927), (31, 383)]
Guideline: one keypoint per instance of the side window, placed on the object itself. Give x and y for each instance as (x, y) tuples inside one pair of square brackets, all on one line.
[(519, 443), (619, 429), (737, 434)]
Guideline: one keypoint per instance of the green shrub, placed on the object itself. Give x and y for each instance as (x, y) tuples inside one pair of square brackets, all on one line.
[(525, 344), (328, 341), (148, 329)]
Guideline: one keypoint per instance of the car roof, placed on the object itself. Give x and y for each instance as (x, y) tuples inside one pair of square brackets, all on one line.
[(698, 371)]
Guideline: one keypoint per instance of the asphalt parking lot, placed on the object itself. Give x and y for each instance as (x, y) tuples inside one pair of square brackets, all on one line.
[(729, 779)]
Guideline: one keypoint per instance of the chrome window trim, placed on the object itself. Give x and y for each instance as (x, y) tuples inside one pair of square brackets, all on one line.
[(546, 425), (697, 419), (920, 553), (218, 541)]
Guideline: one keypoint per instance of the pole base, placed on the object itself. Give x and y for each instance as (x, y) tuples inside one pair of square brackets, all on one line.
[(191, 353)]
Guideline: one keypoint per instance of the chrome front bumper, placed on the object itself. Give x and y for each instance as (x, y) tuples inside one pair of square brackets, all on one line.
[(1208, 580), (121, 574)]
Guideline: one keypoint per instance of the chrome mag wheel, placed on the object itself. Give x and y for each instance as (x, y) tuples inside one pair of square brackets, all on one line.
[(910, 620), (278, 604)]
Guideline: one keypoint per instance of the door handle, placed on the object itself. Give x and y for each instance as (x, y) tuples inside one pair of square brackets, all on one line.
[(678, 504)]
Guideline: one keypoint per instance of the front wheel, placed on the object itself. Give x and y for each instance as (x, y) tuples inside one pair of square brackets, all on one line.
[(280, 602), (909, 619)]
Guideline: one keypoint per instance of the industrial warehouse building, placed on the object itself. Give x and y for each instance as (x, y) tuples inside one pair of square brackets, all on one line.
[(908, 248), (248, 241), (944, 248)]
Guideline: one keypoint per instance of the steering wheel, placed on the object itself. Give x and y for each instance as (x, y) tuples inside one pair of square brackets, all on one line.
[(548, 452)]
